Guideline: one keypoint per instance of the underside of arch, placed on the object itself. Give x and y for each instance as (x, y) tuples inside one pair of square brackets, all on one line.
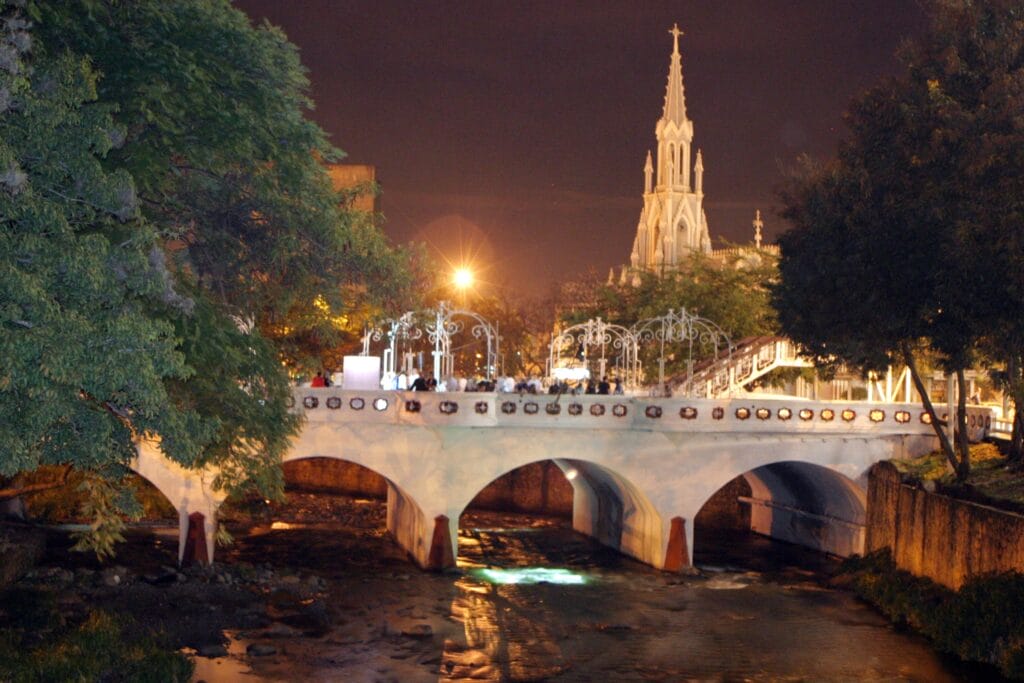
[(610, 509), (801, 503)]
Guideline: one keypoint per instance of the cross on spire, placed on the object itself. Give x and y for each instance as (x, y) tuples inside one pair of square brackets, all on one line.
[(758, 224), (675, 36)]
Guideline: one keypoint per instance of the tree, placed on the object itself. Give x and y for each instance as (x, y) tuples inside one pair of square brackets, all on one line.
[(899, 242), (733, 295), (165, 220)]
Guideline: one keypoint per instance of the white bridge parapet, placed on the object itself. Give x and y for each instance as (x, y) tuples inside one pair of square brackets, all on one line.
[(746, 415), (640, 468)]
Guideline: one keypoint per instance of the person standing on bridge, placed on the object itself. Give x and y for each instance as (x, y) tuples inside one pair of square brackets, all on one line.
[(603, 387), (318, 382)]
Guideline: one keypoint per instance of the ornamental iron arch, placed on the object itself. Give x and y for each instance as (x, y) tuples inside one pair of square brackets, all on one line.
[(393, 329), (445, 325), (698, 335), (577, 346)]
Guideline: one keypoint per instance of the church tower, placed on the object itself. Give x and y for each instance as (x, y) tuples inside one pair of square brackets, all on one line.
[(672, 223)]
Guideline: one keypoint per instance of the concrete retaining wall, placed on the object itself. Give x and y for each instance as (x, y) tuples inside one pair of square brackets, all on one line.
[(942, 538)]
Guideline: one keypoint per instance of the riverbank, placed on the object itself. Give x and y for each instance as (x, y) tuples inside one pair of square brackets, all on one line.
[(983, 621), (303, 597)]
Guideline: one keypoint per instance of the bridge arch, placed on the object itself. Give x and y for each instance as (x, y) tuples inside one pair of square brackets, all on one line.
[(607, 506), (804, 503)]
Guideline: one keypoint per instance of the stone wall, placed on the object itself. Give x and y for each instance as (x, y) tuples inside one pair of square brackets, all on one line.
[(942, 538), (539, 487), (327, 475), (725, 510)]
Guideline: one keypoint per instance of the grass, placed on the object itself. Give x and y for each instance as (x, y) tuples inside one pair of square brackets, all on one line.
[(992, 477), (37, 644), (981, 622)]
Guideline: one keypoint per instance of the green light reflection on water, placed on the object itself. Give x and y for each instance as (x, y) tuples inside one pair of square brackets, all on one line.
[(527, 575)]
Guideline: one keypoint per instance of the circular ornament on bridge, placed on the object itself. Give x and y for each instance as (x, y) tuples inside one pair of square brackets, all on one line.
[(763, 413), (902, 416), (448, 407), (717, 413), (310, 402), (688, 413), (553, 408), (597, 410), (653, 412), (972, 421), (380, 404), (357, 403), (575, 409), (806, 414), (289, 401), (784, 413), (926, 418), (333, 402), (876, 415), (828, 414), (413, 406), (480, 407), (743, 413), (508, 407), (848, 415), (619, 410), (531, 408), (988, 422)]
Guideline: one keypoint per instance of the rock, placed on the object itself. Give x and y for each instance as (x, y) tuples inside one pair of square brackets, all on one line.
[(161, 579), (290, 580), (279, 630), (260, 650), (114, 576), (418, 631), (614, 628), (212, 650), (21, 547)]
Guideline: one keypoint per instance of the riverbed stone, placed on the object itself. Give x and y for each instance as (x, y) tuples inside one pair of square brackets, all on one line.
[(212, 650), (418, 631), (260, 650)]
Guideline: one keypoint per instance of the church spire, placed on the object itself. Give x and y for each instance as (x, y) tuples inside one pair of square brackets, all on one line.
[(675, 102)]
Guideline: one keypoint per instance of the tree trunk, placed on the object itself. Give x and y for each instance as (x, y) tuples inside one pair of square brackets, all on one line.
[(962, 442), (1015, 386), (937, 424)]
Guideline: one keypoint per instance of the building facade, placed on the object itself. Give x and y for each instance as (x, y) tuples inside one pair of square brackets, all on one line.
[(672, 223)]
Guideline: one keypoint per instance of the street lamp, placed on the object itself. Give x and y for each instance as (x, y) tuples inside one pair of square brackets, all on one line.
[(463, 278)]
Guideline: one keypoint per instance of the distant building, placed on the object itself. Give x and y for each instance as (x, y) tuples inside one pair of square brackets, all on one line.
[(360, 178), (673, 225)]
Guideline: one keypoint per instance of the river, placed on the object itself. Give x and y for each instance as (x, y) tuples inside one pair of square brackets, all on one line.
[(534, 601)]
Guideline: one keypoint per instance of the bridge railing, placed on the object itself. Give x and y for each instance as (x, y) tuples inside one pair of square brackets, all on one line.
[(471, 409)]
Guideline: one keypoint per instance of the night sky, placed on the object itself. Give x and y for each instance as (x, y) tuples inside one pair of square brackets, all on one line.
[(514, 133)]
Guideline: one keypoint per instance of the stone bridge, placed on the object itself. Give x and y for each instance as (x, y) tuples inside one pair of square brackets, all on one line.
[(640, 468)]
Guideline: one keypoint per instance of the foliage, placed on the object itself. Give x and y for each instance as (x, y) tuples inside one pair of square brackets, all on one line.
[(900, 240), (733, 295), (168, 236), (101, 648), (980, 622), (67, 502), (102, 506)]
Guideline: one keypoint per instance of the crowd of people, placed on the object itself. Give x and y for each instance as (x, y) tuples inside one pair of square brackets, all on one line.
[(414, 381)]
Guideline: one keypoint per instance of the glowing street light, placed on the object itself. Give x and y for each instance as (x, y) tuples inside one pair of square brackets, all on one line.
[(463, 278)]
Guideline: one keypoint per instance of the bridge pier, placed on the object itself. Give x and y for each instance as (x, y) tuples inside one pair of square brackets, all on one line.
[(190, 492), (429, 537)]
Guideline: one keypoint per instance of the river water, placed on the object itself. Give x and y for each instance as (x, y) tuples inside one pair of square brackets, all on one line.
[(534, 601)]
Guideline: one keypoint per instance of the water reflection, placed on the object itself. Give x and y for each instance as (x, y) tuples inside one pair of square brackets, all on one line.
[(757, 613)]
